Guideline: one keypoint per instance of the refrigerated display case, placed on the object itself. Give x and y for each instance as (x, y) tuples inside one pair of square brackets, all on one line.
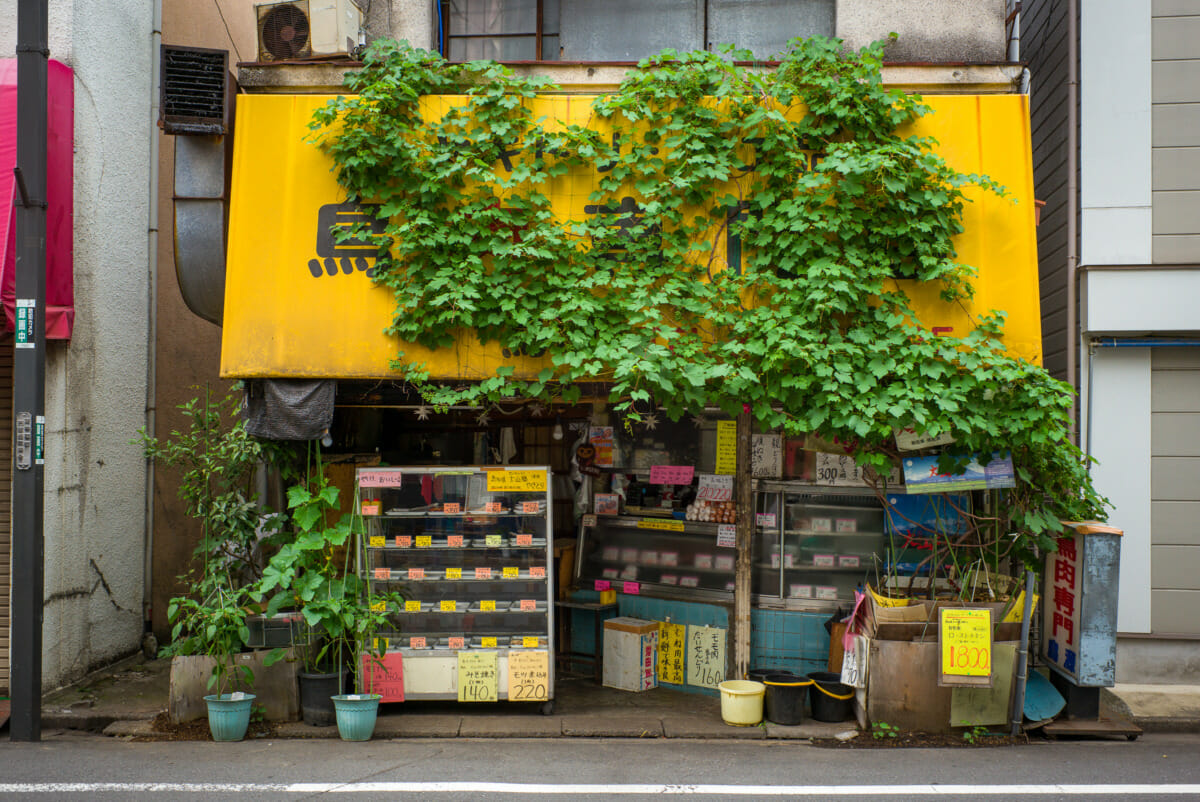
[(469, 551)]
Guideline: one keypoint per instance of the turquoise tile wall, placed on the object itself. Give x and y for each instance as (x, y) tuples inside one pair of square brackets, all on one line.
[(785, 639)]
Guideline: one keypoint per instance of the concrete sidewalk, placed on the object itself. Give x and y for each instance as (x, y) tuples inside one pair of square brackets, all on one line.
[(124, 698)]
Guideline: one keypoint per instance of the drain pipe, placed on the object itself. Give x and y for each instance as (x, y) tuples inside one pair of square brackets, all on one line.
[(1073, 207), (1018, 705), (152, 321)]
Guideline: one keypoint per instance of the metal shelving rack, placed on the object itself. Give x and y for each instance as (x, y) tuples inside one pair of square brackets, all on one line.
[(470, 551)]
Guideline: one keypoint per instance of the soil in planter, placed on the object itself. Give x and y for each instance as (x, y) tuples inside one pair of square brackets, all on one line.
[(198, 730)]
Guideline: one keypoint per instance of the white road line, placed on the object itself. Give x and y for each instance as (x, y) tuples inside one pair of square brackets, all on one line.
[(603, 790)]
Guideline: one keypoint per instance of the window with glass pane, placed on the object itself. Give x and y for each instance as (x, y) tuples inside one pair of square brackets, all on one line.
[(501, 30)]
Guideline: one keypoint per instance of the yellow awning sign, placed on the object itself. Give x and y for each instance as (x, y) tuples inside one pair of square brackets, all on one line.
[(298, 304)]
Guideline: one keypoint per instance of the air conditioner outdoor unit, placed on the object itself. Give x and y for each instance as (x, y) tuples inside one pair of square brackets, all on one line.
[(307, 28)]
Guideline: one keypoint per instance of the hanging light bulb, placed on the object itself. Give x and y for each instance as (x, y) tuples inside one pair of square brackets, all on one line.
[(326, 439), (557, 434)]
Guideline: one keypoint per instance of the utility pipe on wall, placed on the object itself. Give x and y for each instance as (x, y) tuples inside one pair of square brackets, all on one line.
[(152, 308), (1073, 334)]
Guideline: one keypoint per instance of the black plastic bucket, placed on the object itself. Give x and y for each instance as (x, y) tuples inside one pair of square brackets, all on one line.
[(785, 697), (316, 702), (831, 700), (760, 674)]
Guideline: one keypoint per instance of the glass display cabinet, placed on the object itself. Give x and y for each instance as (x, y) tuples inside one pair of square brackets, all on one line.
[(469, 551), (812, 548)]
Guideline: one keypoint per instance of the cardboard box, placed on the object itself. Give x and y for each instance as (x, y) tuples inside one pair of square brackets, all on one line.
[(630, 654)]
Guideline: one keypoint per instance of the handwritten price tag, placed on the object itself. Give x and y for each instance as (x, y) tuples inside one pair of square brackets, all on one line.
[(493, 540), (529, 643), (488, 643), (448, 606), (524, 540), (370, 508), (379, 607), (377, 542), (378, 478), (424, 541), (537, 572), (603, 584), (487, 606), (528, 605), (416, 642), (453, 573), (454, 541), (499, 481), (727, 536), (456, 642), (671, 474), (452, 507), (403, 541), (589, 520), (483, 573), (416, 573), (529, 508), (631, 588), (412, 607), (714, 487), (383, 573), (492, 507), (510, 573)]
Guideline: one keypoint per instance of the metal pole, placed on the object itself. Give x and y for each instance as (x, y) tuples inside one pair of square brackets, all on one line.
[(744, 490), (29, 374), (1022, 678)]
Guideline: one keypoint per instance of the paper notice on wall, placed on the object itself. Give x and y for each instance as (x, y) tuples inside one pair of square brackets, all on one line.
[(671, 639), (528, 676), (705, 656), (477, 676), (766, 456), (384, 676), (840, 470), (726, 447)]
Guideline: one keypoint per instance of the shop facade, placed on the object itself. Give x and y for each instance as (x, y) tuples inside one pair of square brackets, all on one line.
[(642, 509)]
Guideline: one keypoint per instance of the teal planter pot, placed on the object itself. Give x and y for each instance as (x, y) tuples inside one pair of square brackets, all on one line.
[(356, 715), (229, 718)]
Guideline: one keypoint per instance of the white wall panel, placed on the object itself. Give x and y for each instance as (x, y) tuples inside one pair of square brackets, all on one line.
[(1119, 433), (1139, 301), (1115, 131)]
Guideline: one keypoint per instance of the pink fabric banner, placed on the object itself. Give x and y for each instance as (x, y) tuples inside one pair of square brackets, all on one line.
[(60, 196)]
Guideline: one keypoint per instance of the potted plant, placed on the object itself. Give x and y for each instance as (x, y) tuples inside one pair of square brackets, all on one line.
[(356, 713), (307, 573), (213, 623)]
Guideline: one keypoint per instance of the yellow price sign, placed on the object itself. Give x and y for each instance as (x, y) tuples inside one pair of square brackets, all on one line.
[(510, 573), (453, 573), (412, 607), (379, 607), (667, 526), (529, 642), (500, 481), (488, 643), (493, 540), (424, 541), (378, 542), (966, 642), (448, 606), (488, 606), (380, 644)]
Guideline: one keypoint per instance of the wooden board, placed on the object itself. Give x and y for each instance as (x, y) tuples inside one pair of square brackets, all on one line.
[(902, 687)]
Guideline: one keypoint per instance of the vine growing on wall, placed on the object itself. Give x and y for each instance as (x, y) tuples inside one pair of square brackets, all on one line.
[(825, 210)]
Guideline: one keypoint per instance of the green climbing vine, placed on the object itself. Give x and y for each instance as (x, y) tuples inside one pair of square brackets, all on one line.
[(801, 169)]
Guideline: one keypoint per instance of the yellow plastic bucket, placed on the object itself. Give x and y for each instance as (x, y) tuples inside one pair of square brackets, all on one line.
[(742, 702)]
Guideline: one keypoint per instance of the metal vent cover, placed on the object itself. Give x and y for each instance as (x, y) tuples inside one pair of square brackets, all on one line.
[(284, 31), (195, 83)]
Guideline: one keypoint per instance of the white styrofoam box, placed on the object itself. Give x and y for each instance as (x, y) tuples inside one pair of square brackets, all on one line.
[(630, 654)]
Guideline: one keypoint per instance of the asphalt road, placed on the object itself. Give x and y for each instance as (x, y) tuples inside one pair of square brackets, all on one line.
[(74, 766)]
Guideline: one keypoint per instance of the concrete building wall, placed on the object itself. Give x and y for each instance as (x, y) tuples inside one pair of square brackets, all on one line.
[(961, 31), (96, 383)]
